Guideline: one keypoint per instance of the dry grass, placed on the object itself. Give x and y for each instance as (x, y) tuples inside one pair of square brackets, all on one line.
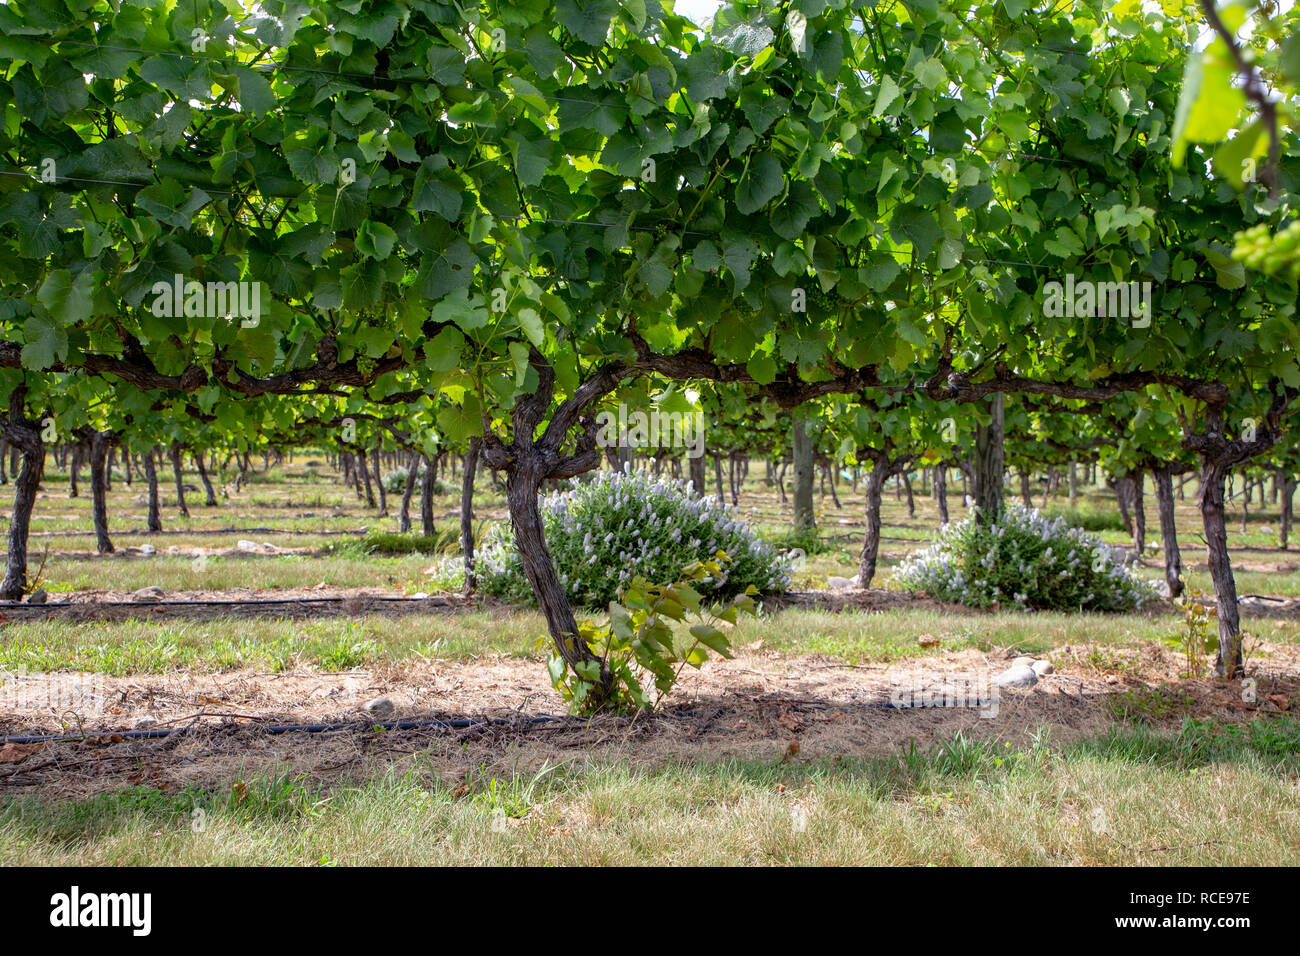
[(1124, 800)]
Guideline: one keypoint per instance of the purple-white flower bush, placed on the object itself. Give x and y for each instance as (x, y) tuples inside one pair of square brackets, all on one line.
[(1023, 559), (618, 526)]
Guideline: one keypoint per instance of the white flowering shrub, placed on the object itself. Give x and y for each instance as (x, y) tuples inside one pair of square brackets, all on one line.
[(620, 526), (1026, 560)]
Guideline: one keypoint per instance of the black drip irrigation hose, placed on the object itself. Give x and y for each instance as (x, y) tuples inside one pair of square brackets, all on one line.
[(444, 723), (129, 532), (459, 723), (434, 600)]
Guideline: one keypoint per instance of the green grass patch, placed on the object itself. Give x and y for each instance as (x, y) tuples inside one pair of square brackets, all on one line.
[(1112, 800), (392, 543), (857, 636), (142, 646), (1089, 519), (147, 647)]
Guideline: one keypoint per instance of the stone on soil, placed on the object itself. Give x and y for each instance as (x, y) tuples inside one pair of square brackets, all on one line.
[(1017, 675)]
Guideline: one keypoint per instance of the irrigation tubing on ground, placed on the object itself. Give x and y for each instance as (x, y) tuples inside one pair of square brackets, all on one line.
[(456, 723), (433, 599), (459, 723), (182, 531)]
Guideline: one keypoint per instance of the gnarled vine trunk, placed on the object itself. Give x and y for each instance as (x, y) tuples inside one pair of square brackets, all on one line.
[(1137, 486), (78, 453), (697, 472), (98, 491), (523, 484), (1168, 532), (990, 462), (404, 512), (941, 492), (364, 469), (467, 513), (210, 496), (1228, 661), (1123, 496), (179, 474), (1218, 453), (1288, 494), (426, 499), (24, 435), (379, 481), (876, 479), (802, 452), (527, 462), (151, 478)]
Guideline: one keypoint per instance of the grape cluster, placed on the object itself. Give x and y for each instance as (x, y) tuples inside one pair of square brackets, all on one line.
[(824, 302), (1275, 255)]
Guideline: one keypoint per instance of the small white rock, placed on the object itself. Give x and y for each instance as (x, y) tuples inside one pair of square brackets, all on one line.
[(1024, 661), (151, 593), (147, 549), (837, 583), (243, 544), (1016, 676), (380, 707), (420, 596), (1042, 668)]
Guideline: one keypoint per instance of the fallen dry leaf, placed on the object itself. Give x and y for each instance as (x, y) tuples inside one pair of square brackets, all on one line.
[(788, 721), (1282, 700), (928, 640), (12, 753)]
